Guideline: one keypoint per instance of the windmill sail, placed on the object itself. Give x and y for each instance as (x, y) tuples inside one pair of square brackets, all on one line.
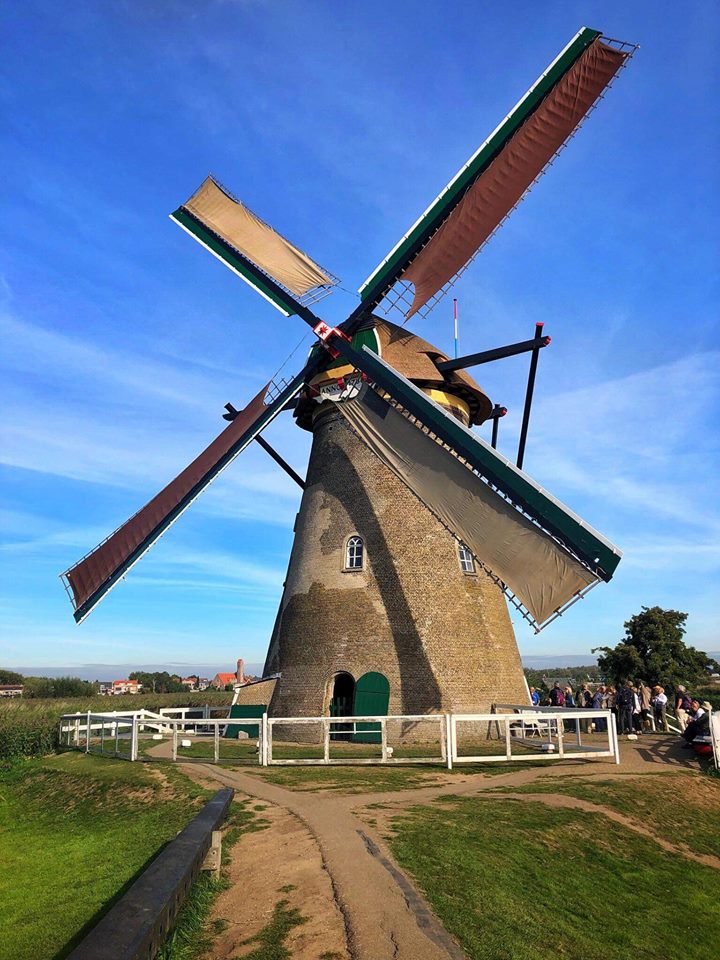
[(496, 177), (541, 573), (89, 580), (577, 539), (212, 214)]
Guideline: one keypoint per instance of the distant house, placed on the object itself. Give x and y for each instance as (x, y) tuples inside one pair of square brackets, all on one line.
[(11, 689), (125, 686), (190, 683), (203, 683), (221, 680), (105, 687)]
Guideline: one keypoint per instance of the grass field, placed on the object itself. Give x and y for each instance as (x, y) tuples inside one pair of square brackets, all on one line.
[(680, 808), (74, 832), (523, 880), (30, 727)]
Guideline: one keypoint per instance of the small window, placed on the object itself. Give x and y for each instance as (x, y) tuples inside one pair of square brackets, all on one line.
[(467, 561), (355, 554)]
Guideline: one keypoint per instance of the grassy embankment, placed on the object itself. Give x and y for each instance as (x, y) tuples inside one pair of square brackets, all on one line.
[(75, 831), (29, 728), (524, 880)]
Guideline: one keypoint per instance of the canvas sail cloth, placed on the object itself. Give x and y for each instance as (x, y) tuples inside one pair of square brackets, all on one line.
[(257, 241), (94, 575), (493, 195), (538, 570)]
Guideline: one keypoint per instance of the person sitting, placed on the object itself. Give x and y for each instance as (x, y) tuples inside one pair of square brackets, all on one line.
[(534, 697), (693, 727)]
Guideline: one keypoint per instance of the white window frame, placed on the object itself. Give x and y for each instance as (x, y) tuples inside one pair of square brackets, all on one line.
[(465, 557), (353, 568)]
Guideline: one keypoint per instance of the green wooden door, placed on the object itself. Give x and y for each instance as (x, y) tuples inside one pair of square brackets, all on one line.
[(372, 696)]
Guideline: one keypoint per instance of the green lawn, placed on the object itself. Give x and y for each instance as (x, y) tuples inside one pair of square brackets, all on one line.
[(350, 779), (521, 880), (74, 831), (680, 808)]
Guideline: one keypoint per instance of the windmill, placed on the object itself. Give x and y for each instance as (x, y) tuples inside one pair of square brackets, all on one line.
[(411, 526)]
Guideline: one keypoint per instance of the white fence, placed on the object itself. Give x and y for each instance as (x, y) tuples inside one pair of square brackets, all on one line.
[(527, 734)]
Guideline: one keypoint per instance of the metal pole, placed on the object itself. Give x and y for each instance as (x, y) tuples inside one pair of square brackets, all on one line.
[(455, 318), (529, 395)]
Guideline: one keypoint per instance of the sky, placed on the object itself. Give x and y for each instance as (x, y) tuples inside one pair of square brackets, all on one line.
[(121, 339)]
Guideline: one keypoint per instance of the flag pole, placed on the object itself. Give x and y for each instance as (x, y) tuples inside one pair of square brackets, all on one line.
[(455, 319)]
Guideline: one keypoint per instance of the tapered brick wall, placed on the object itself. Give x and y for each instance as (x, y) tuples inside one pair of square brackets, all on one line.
[(442, 638)]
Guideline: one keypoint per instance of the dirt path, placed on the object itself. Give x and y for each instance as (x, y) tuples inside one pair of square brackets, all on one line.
[(279, 864), (327, 855), (385, 917)]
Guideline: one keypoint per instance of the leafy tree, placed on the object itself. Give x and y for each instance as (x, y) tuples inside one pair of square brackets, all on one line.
[(654, 650), (158, 682), (42, 688), (9, 676)]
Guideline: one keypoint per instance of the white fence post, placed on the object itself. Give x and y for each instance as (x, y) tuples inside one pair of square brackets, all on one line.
[(87, 734), (134, 739), (266, 741), (614, 743), (326, 740), (216, 742), (448, 741)]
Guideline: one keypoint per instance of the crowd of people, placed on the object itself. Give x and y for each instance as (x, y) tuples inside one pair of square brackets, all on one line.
[(635, 706)]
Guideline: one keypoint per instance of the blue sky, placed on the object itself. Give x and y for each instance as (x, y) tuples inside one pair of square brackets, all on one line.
[(338, 123)]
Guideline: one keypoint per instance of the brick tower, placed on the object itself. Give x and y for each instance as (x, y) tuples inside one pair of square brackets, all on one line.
[(375, 584)]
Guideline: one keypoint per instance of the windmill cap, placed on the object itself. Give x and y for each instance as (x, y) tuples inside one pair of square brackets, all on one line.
[(415, 359)]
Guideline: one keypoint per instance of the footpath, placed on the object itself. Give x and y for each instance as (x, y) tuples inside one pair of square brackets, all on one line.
[(326, 855)]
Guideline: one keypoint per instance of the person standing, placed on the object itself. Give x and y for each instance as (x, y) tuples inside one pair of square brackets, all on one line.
[(625, 703), (557, 697), (659, 702), (645, 695), (682, 706), (534, 697), (585, 700), (599, 703)]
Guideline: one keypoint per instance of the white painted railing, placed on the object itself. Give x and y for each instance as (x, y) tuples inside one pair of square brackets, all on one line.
[(530, 734)]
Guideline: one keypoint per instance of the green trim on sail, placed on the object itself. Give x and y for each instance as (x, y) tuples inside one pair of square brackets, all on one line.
[(235, 260), (599, 554)]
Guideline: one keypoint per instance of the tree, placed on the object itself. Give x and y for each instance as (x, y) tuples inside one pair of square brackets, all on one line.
[(9, 676), (158, 682), (654, 650), (41, 688)]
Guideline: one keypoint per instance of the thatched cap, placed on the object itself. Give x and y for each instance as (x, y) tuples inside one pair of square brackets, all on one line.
[(411, 356)]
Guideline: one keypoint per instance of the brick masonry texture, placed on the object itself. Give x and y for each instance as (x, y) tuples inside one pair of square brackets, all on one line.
[(442, 638)]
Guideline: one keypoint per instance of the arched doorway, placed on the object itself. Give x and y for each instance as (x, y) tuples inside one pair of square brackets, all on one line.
[(372, 697), (341, 705)]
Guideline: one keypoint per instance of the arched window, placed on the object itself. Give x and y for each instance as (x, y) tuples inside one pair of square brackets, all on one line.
[(355, 553), (467, 560)]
